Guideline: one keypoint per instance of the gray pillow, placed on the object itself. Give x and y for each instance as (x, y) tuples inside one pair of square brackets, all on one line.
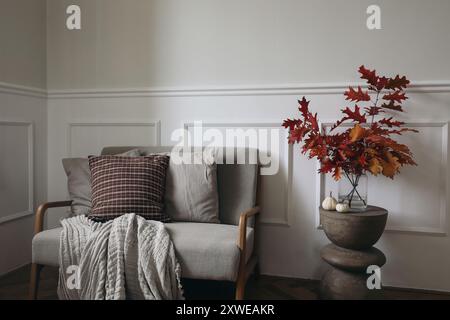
[(79, 182), (191, 192)]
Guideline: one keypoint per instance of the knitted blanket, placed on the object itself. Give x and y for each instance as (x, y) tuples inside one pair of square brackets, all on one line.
[(126, 258)]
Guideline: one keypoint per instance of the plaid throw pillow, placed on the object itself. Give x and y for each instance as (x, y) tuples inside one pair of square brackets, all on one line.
[(122, 185)]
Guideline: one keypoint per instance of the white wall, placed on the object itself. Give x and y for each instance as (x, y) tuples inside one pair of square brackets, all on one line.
[(23, 126), (166, 43), (149, 66), (23, 43)]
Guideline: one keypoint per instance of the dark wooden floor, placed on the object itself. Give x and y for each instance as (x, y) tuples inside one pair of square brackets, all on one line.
[(14, 286)]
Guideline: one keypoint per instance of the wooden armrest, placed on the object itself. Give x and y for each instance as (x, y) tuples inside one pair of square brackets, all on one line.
[(243, 226), (42, 209)]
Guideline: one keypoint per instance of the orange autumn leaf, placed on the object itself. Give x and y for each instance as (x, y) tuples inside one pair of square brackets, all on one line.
[(390, 166), (337, 174), (375, 167), (356, 133)]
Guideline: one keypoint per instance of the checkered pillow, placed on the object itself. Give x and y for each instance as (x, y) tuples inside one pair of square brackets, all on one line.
[(122, 185)]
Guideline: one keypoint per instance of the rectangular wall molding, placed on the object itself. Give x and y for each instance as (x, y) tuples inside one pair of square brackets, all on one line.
[(23, 207), (154, 125), (282, 190)]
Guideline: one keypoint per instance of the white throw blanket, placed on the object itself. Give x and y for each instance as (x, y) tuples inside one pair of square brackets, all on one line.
[(126, 258)]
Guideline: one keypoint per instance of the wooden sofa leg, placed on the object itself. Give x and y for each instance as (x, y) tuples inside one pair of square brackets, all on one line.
[(34, 280), (240, 287)]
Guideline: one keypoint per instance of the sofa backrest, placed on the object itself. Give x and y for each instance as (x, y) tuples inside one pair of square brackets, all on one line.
[(237, 183)]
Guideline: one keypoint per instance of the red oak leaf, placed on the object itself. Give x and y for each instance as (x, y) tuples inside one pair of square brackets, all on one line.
[(356, 95), (382, 83), (297, 134), (291, 123), (392, 106), (369, 75), (338, 123), (399, 132), (397, 96), (397, 83), (313, 121), (326, 169), (303, 106), (320, 151), (391, 123), (373, 111), (311, 142), (354, 115)]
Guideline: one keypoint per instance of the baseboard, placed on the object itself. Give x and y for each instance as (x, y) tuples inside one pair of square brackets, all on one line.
[(418, 290), (14, 269), (388, 287)]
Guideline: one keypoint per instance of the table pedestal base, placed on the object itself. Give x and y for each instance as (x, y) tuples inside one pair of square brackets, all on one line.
[(347, 277)]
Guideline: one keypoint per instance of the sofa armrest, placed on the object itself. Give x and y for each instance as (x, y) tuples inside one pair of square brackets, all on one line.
[(243, 221), (42, 209)]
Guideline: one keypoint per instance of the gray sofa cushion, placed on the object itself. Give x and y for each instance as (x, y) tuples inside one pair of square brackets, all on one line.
[(191, 189), (78, 184), (191, 193), (208, 251), (46, 247), (79, 181), (205, 250)]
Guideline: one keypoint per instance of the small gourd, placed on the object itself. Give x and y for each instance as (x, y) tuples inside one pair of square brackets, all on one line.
[(329, 203), (342, 207)]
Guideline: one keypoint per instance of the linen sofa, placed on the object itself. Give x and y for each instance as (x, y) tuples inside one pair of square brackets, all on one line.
[(207, 251)]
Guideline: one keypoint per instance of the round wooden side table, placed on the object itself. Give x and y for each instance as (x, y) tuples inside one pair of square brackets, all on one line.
[(351, 252)]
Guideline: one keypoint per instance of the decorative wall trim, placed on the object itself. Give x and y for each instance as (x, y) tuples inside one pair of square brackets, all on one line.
[(30, 182), (22, 90), (151, 123), (434, 86), (250, 90), (444, 206), (284, 220)]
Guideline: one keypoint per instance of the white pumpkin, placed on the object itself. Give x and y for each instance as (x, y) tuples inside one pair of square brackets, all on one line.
[(329, 203), (342, 207)]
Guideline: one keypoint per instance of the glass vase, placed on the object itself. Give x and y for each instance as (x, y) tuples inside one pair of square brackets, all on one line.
[(352, 189)]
